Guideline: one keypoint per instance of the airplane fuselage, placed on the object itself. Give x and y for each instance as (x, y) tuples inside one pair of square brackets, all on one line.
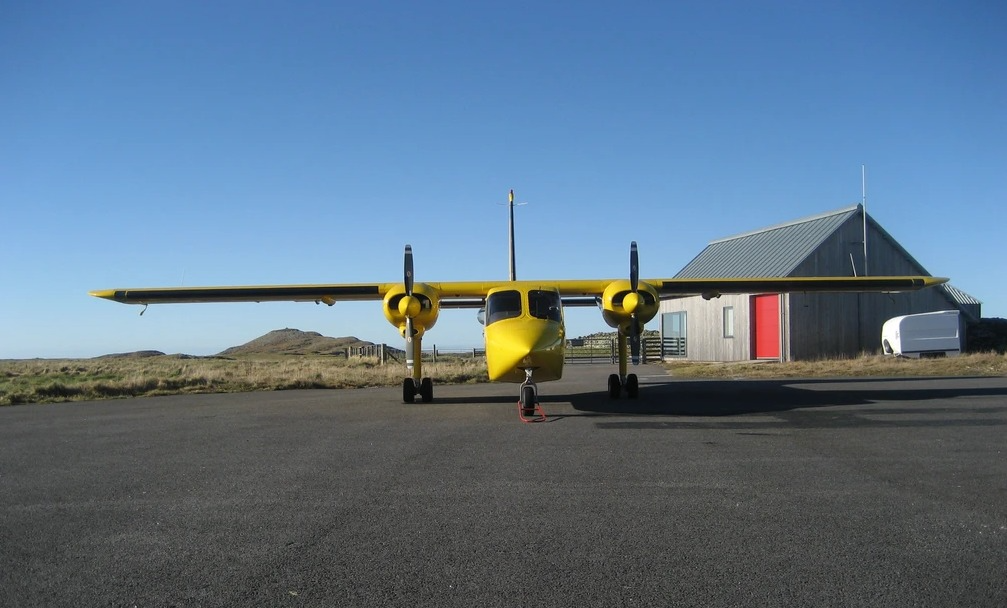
[(524, 331)]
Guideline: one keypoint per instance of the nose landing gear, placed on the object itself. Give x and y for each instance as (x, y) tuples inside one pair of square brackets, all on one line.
[(528, 407)]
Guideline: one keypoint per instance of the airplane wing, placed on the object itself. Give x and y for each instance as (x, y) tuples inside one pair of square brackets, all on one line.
[(585, 293), (470, 293), (711, 288), (326, 294), (452, 295)]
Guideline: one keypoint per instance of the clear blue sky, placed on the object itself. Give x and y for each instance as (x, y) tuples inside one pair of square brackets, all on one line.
[(207, 143)]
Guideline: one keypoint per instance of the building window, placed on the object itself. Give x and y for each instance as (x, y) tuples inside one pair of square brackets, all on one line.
[(728, 321), (674, 331)]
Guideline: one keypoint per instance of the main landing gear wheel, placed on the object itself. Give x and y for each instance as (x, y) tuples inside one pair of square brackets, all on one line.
[(408, 390), (427, 390), (614, 386), (632, 386)]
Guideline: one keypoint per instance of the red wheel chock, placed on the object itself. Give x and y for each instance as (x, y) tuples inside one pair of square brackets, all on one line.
[(538, 417)]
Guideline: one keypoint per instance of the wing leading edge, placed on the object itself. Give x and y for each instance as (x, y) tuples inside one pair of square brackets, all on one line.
[(328, 294), (471, 293), (711, 288)]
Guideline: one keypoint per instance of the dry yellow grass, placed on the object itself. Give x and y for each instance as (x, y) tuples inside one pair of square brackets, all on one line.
[(53, 380), (979, 364)]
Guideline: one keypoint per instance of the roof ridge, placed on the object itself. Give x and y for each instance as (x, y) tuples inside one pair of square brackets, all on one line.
[(805, 220)]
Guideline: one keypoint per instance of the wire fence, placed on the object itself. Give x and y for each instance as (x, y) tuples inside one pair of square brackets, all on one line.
[(587, 350)]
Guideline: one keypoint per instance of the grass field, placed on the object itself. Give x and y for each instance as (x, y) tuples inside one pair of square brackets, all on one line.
[(56, 380), (977, 364)]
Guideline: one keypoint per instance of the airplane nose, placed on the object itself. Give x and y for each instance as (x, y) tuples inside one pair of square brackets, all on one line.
[(524, 347)]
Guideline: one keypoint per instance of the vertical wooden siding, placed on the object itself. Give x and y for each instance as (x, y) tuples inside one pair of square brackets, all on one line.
[(829, 325), (705, 322), (817, 325)]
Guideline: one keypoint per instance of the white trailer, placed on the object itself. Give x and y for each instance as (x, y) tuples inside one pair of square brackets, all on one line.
[(932, 334)]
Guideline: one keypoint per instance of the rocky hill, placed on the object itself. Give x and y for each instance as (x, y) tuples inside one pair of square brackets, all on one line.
[(140, 354), (294, 342)]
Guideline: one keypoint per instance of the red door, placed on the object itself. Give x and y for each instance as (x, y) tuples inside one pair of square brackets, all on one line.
[(766, 328)]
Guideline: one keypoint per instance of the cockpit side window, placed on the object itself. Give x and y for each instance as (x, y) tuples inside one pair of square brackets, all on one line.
[(503, 305), (544, 305)]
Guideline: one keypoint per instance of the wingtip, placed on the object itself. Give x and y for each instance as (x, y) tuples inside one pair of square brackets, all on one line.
[(105, 294)]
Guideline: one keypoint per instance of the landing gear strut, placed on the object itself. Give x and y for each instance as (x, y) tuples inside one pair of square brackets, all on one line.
[(409, 307), (617, 382), (529, 409), (416, 384)]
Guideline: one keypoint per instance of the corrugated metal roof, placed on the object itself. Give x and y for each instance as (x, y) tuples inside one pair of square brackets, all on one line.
[(771, 252), (958, 296)]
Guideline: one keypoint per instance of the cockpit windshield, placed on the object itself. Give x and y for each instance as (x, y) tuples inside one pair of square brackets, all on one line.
[(503, 305), (508, 304), (544, 305)]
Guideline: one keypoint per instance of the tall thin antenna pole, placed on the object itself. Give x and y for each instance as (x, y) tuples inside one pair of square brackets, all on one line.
[(513, 269), (512, 204), (863, 190)]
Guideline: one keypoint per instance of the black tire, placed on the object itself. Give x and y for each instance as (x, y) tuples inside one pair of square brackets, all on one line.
[(427, 390), (614, 386), (408, 390), (527, 400), (632, 386)]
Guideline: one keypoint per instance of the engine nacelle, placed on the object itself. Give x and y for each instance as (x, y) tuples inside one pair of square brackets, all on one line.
[(423, 306), (620, 302)]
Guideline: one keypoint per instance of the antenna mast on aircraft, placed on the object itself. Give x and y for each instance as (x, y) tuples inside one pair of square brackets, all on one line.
[(513, 269)]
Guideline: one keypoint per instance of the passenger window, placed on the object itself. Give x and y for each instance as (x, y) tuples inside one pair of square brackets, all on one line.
[(503, 305), (545, 305)]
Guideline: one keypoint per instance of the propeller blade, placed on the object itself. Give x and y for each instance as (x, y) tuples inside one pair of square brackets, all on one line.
[(634, 267), (634, 341), (408, 262), (634, 284)]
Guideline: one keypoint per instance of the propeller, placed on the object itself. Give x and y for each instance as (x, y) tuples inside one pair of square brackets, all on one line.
[(632, 301), (409, 306)]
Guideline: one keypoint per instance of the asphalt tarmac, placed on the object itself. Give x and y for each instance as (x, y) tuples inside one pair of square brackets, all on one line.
[(700, 493)]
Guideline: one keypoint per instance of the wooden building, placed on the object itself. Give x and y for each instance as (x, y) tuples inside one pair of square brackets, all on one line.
[(800, 326)]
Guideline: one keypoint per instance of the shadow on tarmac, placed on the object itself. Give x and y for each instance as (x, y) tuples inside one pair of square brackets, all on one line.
[(793, 403)]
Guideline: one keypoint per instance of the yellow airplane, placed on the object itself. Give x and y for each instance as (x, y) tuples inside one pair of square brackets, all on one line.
[(523, 320)]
